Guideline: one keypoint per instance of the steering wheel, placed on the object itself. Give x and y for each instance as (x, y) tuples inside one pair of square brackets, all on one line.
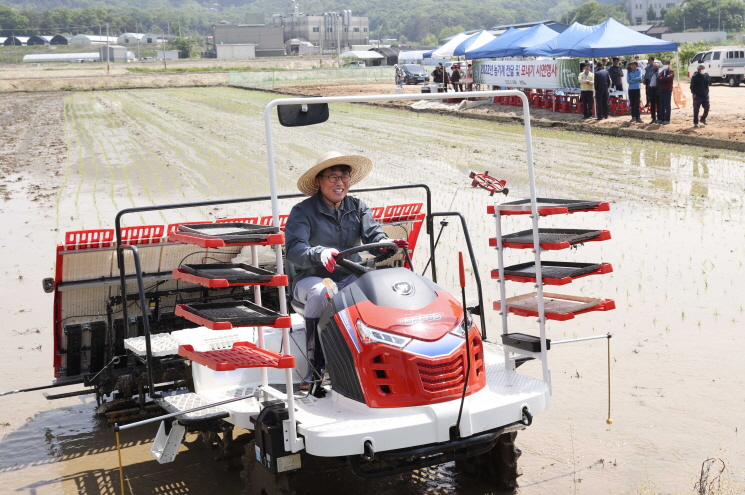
[(355, 268)]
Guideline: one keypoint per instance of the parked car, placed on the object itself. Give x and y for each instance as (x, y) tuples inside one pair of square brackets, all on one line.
[(356, 64), (414, 74), (722, 64)]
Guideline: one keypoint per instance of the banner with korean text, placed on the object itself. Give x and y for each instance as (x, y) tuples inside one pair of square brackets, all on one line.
[(540, 74)]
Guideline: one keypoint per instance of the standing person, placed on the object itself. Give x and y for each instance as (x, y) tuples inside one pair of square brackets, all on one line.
[(437, 76), (469, 76), (586, 85), (665, 91), (647, 74), (634, 78), (700, 83), (399, 75), (327, 222), (640, 64), (652, 87), (455, 78), (616, 75), (606, 63), (602, 86)]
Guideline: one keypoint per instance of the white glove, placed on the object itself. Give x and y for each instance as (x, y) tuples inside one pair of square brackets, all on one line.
[(327, 258)]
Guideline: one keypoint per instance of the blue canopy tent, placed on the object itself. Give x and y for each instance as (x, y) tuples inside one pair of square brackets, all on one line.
[(561, 44), (514, 45), (474, 42), (604, 40)]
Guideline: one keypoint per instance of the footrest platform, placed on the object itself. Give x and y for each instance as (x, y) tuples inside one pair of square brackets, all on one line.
[(242, 355), (524, 342)]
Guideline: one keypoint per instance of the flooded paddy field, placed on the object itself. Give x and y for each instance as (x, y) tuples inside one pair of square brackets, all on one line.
[(70, 162)]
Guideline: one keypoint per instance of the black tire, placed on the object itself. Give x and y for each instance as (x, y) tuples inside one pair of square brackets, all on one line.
[(734, 81), (257, 480), (498, 467)]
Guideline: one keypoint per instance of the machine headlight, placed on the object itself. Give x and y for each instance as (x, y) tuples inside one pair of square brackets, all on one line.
[(459, 329), (369, 335)]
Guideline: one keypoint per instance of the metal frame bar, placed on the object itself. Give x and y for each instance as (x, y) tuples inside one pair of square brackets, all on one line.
[(471, 254)]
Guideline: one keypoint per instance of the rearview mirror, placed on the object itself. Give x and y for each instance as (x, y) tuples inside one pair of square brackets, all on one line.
[(304, 114)]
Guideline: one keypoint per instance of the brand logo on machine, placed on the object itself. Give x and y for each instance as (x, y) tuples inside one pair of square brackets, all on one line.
[(403, 288), (420, 318)]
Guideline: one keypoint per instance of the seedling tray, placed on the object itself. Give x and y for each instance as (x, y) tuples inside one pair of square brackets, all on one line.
[(552, 239), (550, 206), (222, 234), (227, 275), (226, 315), (559, 307), (553, 272), (524, 342)]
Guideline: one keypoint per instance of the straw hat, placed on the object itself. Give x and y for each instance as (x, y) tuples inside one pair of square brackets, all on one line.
[(360, 165)]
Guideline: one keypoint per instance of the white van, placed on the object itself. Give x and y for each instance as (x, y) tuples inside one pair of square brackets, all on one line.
[(722, 64)]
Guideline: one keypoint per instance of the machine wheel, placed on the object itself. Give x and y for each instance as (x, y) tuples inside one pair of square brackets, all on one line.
[(734, 81), (257, 480), (498, 467)]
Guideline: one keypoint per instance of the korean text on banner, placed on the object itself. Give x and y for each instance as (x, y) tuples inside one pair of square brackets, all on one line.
[(541, 74)]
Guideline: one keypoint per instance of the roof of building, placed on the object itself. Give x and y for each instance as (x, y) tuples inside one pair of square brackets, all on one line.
[(523, 25), (642, 28), (659, 30), (364, 55)]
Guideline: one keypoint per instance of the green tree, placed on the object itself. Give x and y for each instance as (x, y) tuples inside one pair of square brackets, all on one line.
[(651, 14), (183, 45), (450, 31), (592, 12), (429, 40)]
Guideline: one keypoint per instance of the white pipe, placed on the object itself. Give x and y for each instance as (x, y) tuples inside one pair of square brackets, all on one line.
[(536, 245), (508, 363), (557, 342)]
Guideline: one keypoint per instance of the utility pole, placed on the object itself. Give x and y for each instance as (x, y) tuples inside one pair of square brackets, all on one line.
[(108, 57), (338, 40)]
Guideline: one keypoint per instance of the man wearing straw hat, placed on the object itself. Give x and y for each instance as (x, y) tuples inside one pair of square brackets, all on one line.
[(321, 226)]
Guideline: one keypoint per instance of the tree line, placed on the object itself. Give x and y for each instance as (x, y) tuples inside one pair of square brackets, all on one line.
[(414, 21)]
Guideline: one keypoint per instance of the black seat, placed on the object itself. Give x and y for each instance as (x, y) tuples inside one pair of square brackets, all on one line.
[(298, 307)]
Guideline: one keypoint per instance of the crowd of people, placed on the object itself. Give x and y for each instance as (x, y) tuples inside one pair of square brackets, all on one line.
[(442, 77), (656, 76)]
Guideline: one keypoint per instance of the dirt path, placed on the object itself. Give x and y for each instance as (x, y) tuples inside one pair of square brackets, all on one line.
[(726, 120)]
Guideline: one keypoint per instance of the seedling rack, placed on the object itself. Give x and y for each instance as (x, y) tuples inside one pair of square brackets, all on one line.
[(543, 306), (554, 272), (552, 239), (217, 275)]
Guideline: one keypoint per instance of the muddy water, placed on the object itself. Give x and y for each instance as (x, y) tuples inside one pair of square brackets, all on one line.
[(677, 392)]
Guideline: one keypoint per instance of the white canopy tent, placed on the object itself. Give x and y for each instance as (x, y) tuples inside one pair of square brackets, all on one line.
[(448, 48)]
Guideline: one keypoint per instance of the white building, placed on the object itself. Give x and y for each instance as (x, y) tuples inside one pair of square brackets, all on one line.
[(90, 39), (638, 9), (61, 57), (237, 51), (129, 38)]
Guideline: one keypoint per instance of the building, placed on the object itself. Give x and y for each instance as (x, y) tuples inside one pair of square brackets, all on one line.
[(90, 39), (129, 38), (167, 54), (116, 54), (60, 39), (710, 36), (390, 54), (269, 40), (62, 57), (236, 51), (556, 26), (642, 28), (328, 31), (657, 32), (153, 38), (638, 9), (15, 41), (39, 40)]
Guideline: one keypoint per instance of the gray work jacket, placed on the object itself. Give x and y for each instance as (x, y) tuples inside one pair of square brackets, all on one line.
[(314, 226)]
